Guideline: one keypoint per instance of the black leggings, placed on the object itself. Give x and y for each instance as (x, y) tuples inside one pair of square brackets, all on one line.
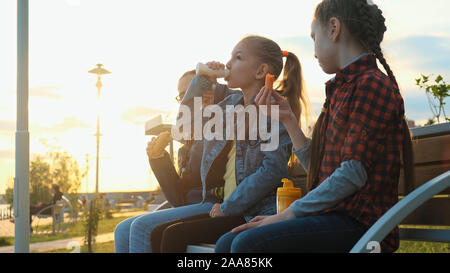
[(176, 235)]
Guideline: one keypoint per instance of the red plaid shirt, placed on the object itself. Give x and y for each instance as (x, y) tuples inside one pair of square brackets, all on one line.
[(364, 122)]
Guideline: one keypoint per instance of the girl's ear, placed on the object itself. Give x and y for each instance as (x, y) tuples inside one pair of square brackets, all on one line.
[(335, 28), (263, 69)]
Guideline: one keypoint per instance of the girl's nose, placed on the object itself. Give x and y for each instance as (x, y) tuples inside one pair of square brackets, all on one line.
[(228, 65)]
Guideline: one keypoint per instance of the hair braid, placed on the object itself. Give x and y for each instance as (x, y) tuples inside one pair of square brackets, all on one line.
[(372, 32), (379, 54)]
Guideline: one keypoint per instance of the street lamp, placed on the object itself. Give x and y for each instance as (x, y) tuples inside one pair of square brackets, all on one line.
[(99, 70), (22, 176)]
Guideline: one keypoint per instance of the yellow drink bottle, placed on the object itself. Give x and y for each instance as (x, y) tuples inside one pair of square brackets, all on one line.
[(287, 194)]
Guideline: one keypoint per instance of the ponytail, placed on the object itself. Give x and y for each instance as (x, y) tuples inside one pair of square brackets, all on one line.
[(292, 88)]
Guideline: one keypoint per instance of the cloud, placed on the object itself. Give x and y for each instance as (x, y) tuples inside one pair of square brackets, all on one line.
[(424, 52), (302, 44), (69, 123), (46, 92), (139, 115), (7, 154), (417, 107), (7, 125)]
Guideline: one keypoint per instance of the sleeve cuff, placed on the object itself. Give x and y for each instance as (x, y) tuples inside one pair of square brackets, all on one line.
[(303, 149), (204, 83), (297, 213), (163, 155), (222, 209), (197, 88), (303, 154)]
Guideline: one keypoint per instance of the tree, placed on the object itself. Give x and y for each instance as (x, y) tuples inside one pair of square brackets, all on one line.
[(9, 192), (40, 181), (430, 121), (56, 167), (65, 172), (436, 94), (92, 216)]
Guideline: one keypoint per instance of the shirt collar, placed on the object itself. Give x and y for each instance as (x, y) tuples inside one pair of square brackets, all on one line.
[(353, 69)]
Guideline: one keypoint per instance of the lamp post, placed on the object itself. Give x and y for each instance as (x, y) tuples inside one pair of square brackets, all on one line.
[(22, 177), (99, 71)]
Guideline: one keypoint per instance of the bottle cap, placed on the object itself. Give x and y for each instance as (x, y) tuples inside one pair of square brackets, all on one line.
[(289, 189)]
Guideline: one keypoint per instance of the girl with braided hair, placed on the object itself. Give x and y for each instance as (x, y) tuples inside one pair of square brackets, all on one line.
[(353, 159)]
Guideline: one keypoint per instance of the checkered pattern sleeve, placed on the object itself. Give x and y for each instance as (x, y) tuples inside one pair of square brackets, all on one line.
[(370, 112)]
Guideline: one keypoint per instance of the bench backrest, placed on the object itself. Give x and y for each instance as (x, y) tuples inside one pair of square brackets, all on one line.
[(431, 146)]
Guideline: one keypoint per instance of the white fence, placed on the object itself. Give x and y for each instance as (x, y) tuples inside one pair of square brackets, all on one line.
[(5, 212)]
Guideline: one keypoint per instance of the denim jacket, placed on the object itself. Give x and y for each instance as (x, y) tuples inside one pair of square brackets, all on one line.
[(258, 173)]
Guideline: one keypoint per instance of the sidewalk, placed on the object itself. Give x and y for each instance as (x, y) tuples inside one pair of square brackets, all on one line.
[(71, 243), (7, 229)]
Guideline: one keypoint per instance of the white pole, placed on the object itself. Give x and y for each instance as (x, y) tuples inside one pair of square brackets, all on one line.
[(21, 181), (99, 86)]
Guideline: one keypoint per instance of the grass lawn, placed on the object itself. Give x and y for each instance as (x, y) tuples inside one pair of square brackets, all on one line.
[(75, 230), (423, 247)]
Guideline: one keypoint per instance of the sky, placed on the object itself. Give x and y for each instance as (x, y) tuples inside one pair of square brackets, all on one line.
[(148, 45)]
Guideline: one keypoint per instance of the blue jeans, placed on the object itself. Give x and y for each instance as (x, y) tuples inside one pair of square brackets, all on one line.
[(324, 233), (133, 235)]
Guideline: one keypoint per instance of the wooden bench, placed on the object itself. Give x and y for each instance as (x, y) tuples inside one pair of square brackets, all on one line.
[(425, 203)]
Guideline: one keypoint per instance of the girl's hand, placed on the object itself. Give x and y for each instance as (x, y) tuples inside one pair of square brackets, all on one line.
[(150, 146), (264, 98), (214, 66), (157, 145), (215, 211), (259, 221)]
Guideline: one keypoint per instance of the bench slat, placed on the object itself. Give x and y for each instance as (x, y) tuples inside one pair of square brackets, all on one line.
[(435, 149), (435, 212), (432, 130), (422, 175), (425, 235)]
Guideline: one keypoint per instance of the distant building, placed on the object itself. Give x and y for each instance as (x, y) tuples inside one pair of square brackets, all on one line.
[(411, 123)]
